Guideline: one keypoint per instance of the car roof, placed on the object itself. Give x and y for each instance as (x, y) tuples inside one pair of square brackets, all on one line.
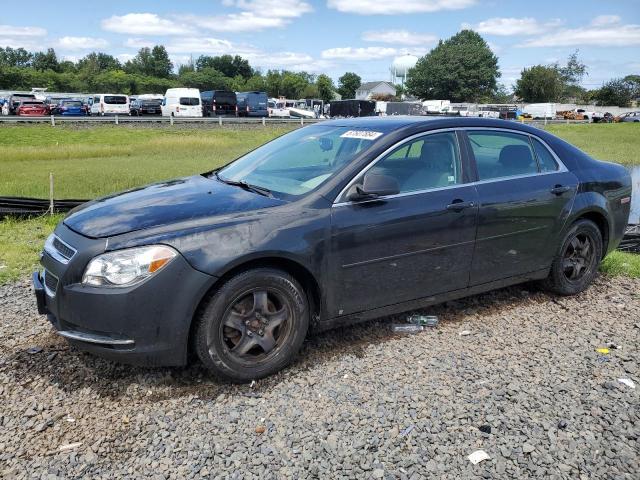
[(398, 122)]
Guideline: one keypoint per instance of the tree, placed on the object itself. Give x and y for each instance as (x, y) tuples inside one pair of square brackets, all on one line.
[(348, 84), (293, 84), (615, 92), (634, 84), (152, 62), (95, 63), (325, 87), (461, 68), (229, 66), (162, 66), (18, 57), (540, 84), (45, 60)]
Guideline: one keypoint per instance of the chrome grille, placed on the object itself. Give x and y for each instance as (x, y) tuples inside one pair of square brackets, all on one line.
[(65, 250), (58, 249), (50, 283)]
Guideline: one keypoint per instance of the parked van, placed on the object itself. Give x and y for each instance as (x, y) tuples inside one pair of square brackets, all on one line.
[(219, 102), (252, 104), (182, 102), (109, 104), (540, 110)]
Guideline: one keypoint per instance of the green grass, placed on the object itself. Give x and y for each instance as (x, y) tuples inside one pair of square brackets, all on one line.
[(90, 162), (613, 142), (20, 244), (622, 263)]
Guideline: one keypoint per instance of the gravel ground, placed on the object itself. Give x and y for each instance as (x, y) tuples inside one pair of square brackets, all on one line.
[(359, 403)]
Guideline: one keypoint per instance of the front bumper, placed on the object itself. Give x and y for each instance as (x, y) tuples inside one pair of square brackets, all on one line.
[(147, 324)]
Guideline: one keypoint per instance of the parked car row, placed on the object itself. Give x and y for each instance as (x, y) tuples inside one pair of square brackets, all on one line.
[(177, 102)]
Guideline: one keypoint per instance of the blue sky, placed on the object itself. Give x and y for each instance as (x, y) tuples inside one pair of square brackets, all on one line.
[(334, 36)]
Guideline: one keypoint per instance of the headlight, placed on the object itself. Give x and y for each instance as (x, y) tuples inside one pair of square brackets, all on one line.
[(124, 268)]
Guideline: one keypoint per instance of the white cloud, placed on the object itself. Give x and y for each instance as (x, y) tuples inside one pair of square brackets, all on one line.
[(144, 24), (350, 53), (236, 22), (602, 20), (399, 37), (504, 26), (202, 45), (272, 8), (21, 32), (81, 43), (594, 35), (397, 7)]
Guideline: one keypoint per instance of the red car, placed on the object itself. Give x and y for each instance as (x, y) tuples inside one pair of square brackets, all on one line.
[(33, 109)]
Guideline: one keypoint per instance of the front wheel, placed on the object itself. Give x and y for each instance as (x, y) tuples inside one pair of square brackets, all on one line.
[(576, 264), (253, 325)]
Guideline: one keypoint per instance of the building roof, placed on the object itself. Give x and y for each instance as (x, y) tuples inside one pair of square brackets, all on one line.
[(372, 85)]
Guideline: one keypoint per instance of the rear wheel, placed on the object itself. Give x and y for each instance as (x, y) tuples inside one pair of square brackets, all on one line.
[(253, 325), (576, 264)]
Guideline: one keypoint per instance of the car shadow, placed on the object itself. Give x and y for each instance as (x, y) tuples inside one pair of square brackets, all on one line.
[(70, 369)]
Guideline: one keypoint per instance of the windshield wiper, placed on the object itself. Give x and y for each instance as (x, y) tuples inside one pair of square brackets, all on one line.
[(247, 186)]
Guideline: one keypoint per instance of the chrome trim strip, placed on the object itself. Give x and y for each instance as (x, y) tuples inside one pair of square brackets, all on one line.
[(90, 338), (48, 291), (53, 251), (562, 167)]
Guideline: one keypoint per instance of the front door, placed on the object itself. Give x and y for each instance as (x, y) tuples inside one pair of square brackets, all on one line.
[(525, 197), (411, 245)]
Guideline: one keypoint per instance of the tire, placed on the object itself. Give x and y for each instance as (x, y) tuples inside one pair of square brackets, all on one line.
[(571, 271), (240, 345)]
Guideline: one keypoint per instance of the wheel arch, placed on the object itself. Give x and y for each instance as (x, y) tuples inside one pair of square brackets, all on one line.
[(291, 266), (598, 217)]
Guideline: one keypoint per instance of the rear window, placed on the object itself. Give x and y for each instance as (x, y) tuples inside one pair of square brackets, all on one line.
[(502, 154), (32, 103), (224, 97), (72, 103), (189, 101), (151, 102), (115, 99)]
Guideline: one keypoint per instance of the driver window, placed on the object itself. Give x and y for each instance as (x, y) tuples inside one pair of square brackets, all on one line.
[(430, 161)]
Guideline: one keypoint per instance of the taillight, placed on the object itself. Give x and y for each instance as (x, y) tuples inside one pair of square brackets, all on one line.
[(178, 108), (213, 107)]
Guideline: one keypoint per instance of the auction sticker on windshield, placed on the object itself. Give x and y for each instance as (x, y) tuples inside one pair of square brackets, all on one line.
[(363, 134)]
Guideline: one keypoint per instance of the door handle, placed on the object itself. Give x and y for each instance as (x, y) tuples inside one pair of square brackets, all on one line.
[(560, 189), (459, 205)]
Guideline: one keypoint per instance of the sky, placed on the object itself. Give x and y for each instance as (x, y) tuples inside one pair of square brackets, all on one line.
[(335, 36)]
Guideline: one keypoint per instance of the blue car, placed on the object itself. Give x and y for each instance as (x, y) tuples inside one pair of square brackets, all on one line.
[(70, 107)]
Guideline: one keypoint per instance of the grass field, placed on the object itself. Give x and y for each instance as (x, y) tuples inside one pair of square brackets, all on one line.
[(88, 162), (91, 162)]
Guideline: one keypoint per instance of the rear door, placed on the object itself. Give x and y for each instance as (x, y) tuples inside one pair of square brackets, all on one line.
[(525, 196), (411, 245)]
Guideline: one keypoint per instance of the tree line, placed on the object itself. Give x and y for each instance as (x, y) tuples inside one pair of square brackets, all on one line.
[(151, 71), (462, 68)]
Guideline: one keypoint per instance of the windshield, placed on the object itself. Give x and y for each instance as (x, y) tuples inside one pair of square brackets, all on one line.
[(115, 100), (300, 161), (189, 101)]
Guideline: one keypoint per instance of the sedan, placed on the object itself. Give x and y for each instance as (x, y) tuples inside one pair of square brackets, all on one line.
[(32, 108), (70, 108), (331, 224)]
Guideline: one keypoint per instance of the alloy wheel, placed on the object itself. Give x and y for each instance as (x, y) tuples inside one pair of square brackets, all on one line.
[(256, 325), (578, 257)]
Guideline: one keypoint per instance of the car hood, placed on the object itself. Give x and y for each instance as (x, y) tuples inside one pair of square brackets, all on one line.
[(163, 203)]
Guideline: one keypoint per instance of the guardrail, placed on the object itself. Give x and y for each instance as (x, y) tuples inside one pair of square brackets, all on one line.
[(118, 119)]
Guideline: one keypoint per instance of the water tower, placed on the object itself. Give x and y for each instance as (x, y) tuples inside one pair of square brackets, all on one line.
[(400, 67)]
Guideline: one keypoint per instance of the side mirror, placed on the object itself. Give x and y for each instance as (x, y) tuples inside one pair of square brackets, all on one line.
[(374, 185)]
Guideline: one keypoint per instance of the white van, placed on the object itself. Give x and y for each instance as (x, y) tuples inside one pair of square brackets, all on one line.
[(109, 104), (182, 102)]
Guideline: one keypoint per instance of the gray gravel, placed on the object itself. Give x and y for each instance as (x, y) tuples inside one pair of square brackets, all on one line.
[(360, 403)]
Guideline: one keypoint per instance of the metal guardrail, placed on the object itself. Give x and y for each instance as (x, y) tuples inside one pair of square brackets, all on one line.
[(118, 119)]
